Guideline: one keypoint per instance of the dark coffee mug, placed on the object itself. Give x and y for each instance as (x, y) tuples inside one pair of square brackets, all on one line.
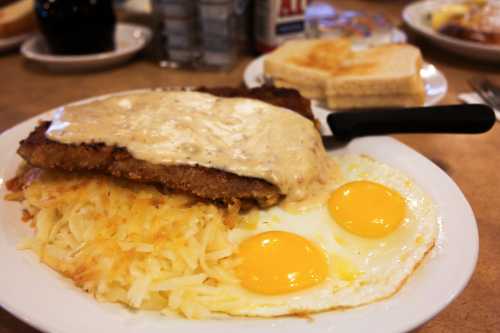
[(77, 26)]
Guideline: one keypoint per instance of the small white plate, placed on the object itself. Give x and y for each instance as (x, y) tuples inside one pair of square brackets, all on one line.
[(416, 16), (129, 39), (7, 44), (42, 298), (435, 83)]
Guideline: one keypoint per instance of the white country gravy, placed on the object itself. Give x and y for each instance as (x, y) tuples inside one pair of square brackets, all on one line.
[(238, 135)]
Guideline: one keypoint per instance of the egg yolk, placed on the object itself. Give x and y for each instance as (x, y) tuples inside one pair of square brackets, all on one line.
[(367, 209), (278, 262)]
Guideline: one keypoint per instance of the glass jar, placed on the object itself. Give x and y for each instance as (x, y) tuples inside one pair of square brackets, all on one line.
[(77, 26)]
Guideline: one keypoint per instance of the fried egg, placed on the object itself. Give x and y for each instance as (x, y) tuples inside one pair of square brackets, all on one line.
[(356, 247)]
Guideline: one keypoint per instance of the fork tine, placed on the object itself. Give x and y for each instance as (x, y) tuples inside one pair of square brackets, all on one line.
[(491, 94), (481, 88), (492, 86)]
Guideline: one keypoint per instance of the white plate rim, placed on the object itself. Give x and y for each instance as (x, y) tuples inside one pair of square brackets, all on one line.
[(445, 193), (254, 70), (13, 41), (27, 49), (412, 8)]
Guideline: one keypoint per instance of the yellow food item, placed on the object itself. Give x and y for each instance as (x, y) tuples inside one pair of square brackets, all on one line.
[(367, 209), (128, 243), (447, 13), (278, 262)]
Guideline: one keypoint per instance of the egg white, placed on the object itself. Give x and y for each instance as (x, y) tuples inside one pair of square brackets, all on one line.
[(361, 270)]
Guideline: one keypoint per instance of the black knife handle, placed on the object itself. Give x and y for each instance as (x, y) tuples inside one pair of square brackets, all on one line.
[(460, 118)]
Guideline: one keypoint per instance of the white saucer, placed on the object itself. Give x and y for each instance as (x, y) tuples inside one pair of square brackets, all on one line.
[(129, 39), (7, 44)]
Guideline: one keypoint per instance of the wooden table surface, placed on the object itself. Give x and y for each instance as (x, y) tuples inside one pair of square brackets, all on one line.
[(471, 160)]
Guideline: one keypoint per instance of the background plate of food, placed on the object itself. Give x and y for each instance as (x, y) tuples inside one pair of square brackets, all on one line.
[(468, 28), (166, 257)]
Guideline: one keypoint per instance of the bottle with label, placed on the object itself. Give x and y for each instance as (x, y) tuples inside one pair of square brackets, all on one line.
[(277, 21)]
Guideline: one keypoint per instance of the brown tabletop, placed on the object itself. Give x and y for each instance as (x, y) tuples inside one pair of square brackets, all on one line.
[(471, 160)]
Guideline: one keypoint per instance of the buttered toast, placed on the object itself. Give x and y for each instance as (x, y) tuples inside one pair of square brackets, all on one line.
[(386, 75), (306, 65)]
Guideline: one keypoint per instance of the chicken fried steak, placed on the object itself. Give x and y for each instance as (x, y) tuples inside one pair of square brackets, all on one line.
[(204, 182)]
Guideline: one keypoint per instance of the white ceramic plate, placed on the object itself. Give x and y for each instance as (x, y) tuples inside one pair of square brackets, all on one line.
[(42, 298), (7, 44), (129, 39), (416, 16)]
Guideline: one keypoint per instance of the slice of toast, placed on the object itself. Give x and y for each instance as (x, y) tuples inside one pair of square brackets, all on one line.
[(306, 64), (374, 101), (17, 18), (383, 70), (386, 75)]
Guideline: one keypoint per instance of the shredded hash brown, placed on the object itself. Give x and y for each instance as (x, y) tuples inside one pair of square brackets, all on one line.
[(130, 243)]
